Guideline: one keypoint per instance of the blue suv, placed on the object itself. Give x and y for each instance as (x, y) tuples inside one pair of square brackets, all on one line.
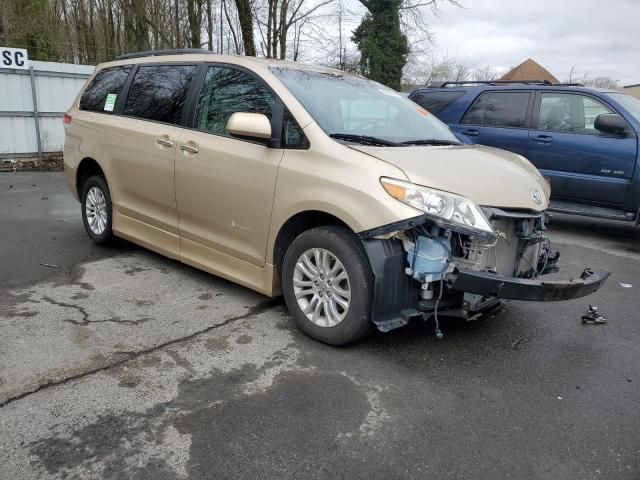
[(584, 140)]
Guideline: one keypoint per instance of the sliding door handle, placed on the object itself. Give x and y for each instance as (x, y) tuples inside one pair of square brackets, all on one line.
[(165, 141), (190, 147)]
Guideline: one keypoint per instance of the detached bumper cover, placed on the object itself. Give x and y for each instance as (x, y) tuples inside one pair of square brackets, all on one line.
[(493, 285)]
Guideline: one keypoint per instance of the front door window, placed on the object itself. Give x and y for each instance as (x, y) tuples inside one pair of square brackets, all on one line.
[(226, 91), (569, 113)]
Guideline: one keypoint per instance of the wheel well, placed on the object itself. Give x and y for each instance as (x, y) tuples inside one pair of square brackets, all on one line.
[(87, 168), (295, 226)]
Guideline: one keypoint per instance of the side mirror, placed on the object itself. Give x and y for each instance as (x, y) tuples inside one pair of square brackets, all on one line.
[(610, 123), (249, 126)]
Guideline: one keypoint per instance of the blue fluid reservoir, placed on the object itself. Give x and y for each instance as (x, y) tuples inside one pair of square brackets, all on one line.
[(428, 257)]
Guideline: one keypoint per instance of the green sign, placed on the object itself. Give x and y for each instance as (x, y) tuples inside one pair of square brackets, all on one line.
[(110, 102)]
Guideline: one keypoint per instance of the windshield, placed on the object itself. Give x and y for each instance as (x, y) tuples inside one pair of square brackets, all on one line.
[(631, 104), (347, 107)]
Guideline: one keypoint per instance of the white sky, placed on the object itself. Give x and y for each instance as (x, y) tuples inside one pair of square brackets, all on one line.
[(599, 38)]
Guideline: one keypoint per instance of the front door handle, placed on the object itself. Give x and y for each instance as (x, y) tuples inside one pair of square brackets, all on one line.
[(190, 147), (165, 141), (471, 132), (544, 139)]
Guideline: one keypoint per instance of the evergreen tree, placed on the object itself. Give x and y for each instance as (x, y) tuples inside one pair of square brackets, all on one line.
[(31, 26), (383, 46)]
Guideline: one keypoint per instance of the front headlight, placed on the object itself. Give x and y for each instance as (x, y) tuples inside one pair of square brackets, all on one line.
[(447, 209)]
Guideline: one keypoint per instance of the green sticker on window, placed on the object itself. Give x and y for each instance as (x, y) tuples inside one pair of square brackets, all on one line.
[(110, 102)]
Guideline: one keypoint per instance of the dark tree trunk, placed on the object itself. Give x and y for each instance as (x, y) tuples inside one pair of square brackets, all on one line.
[(209, 25), (246, 26), (194, 15)]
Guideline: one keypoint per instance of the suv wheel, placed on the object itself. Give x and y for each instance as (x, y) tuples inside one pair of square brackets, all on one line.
[(96, 210), (328, 285)]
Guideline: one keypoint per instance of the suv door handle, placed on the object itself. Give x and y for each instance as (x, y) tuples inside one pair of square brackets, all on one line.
[(165, 141), (471, 132), (544, 139), (191, 147)]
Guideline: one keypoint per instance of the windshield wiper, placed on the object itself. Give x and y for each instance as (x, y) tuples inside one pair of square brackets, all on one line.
[(365, 139), (431, 141)]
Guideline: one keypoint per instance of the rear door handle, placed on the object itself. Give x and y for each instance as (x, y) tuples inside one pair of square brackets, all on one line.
[(190, 147), (165, 141), (471, 132), (544, 139)]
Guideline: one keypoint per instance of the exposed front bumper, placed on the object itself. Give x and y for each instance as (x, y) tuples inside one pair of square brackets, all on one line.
[(500, 286)]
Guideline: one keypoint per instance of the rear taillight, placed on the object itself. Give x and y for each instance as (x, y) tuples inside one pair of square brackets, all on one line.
[(66, 120)]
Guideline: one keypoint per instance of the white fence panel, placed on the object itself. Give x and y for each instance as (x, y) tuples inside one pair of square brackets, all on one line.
[(17, 135), (56, 86), (16, 91)]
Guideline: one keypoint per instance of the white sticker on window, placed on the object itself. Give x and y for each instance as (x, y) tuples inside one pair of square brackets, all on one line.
[(110, 102)]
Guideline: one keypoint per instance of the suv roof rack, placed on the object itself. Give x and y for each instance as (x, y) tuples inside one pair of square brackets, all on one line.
[(154, 53), (502, 82)]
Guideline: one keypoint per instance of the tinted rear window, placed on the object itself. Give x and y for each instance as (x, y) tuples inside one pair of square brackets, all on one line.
[(108, 82), (499, 109), (436, 102), (158, 92)]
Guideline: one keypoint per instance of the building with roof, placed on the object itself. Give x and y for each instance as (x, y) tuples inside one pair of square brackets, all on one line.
[(529, 70)]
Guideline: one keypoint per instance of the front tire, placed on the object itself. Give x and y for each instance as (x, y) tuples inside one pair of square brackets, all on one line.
[(97, 212), (328, 285)]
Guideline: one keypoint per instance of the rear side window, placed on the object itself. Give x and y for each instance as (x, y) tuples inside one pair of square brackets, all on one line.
[(436, 102), (499, 109), (102, 92), (226, 91), (158, 92)]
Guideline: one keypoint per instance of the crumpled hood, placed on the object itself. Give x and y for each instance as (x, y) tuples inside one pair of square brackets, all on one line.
[(488, 176)]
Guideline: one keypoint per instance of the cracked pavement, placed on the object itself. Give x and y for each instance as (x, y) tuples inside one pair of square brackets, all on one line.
[(124, 364)]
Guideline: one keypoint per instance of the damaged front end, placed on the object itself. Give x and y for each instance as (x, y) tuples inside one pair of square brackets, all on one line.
[(423, 266)]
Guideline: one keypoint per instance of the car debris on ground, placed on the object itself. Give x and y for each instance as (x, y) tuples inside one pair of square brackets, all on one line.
[(592, 317)]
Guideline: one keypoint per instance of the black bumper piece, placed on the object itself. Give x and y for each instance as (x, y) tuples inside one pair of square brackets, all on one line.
[(493, 285), (395, 296)]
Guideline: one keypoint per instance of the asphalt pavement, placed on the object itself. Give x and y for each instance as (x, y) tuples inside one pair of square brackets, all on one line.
[(119, 363)]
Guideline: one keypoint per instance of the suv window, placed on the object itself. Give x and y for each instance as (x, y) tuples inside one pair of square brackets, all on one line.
[(226, 91), (158, 92), (436, 102), (499, 109), (106, 85), (567, 112)]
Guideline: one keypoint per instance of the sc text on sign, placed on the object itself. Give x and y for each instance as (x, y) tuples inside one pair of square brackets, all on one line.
[(13, 58)]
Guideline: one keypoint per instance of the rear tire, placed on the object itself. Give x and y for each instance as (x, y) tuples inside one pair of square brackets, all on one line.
[(97, 213), (328, 285)]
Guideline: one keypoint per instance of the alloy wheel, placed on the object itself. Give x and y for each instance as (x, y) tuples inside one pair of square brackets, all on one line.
[(321, 286)]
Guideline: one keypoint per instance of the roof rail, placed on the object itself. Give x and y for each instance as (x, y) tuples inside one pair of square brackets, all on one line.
[(488, 82), (154, 53), (502, 82)]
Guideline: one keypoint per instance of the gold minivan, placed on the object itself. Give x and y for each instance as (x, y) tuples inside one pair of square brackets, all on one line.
[(356, 204)]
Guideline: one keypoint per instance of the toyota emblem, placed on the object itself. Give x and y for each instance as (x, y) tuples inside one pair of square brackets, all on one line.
[(537, 196)]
